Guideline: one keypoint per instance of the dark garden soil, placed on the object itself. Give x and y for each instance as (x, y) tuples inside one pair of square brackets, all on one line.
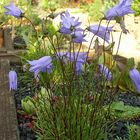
[(119, 128), (19, 43), (26, 122), (130, 99)]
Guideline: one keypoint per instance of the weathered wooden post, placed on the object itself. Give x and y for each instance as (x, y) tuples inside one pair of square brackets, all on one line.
[(8, 43), (8, 119), (7, 50), (1, 38)]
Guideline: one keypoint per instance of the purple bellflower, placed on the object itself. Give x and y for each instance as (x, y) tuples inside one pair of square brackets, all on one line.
[(123, 8), (69, 24), (101, 31), (78, 67), (43, 64), (62, 56), (12, 80), (75, 56), (13, 11), (78, 37), (135, 77), (105, 71), (79, 58)]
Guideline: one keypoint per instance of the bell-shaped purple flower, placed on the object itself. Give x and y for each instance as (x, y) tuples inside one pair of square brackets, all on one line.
[(75, 56), (105, 71), (62, 56), (78, 37), (101, 31), (123, 8), (13, 11), (78, 66), (135, 77), (43, 64), (69, 24), (79, 58), (12, 80)]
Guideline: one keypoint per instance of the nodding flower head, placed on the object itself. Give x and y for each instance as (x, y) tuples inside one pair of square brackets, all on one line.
[(79, 58), (12, 80), (43, 64), (78, 37), (105, 71), (13, 11), (135, 77), (101, 31), (69, 24), (121, 9)]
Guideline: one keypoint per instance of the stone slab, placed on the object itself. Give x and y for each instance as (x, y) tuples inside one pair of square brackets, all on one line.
[(8, 118)]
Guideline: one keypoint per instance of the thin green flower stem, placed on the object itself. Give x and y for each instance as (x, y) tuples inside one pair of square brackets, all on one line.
[(71, 68), (34, 29), (118, 46), (93, 106), (63, 69), (112, 39), (63, 87), (114, 59), (104, 51), (97, 105), (76, 58), (107, 113), (58, 56), (70, 117), (44, 111), (55, 129), (47, 87), (43, 36), (64, 117), (112, 98), (50, 94), (103, 95), (81, 128), (42, 119), (53, 121), (73, 63), (78, 51), (105, 81), (98, 101), (91, 42), (93, 115), (93, 37), (73, 49), (70, 51), (59, 41), (77, 117), (112, 50), (79, 47), (77, 110)]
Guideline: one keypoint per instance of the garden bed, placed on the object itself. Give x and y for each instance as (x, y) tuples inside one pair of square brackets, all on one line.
[(26, 122), (64, 93)]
